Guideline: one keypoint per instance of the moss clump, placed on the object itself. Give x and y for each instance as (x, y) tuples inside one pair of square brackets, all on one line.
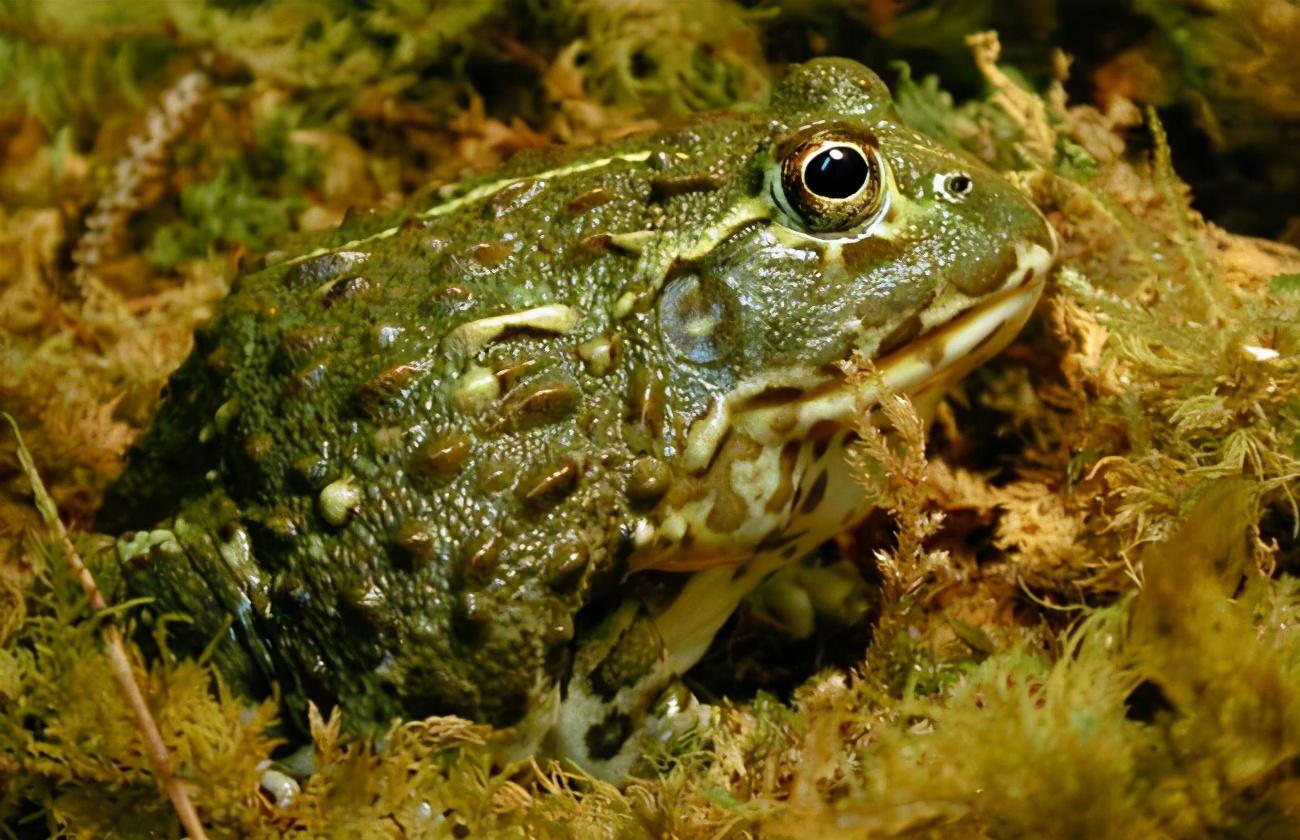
[(1087, 581)]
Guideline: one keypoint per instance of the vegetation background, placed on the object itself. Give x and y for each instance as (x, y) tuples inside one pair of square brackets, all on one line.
[(1087, 613)]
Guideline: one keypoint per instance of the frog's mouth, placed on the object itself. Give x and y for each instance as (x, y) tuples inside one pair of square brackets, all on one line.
[(961, 340), (941, 356)]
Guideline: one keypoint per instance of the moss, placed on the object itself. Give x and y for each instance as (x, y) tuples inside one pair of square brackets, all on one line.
[(1088, 595)]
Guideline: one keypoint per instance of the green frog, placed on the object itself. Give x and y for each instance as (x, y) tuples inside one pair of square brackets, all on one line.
[(517, 450)]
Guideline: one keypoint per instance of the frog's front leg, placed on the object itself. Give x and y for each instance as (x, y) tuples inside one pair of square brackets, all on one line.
[(625, 693)]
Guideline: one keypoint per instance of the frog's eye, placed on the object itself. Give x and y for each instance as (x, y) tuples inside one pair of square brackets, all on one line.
[(831, 181), (954, 186)]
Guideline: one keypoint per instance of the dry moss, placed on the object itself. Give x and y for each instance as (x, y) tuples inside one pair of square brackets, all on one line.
[(1087, 612)]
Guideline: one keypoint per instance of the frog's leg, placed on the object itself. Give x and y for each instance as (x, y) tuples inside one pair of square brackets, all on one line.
[(200, 564), (624, 693)]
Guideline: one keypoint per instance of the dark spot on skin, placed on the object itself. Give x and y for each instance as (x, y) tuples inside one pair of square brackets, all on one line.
[(1026, 278), (513, 370), (981, 276), (412, 546), (778, 538), (551, 486), (589, 200), (728, 511), (816, 493), (514, 197), (624, 545), (491, 254), (789, 552), (606, 738), (546, 403), (740, 571), (648, 483), (442, 457), (868, 252), (638, 649), (386, 387), (646, 400), (590, 246), (344, 289), (821, 434), (479, 561), (1146, 702), (908, 329), (315, 271), (785, 489), (664, 187)]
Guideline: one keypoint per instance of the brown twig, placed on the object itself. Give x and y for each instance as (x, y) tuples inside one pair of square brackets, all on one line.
[(117, 656)]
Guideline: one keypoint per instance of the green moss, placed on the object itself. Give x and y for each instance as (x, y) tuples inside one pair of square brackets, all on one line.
[(223, 212), (1090, 609)]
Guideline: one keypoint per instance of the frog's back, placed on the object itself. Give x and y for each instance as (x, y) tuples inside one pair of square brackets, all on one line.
[(412, 443)]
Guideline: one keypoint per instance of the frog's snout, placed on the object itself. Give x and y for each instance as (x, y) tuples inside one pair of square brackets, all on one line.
[(1034, 256)]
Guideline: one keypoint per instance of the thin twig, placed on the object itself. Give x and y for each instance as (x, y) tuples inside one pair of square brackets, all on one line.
[(117, 656), (145, 163)]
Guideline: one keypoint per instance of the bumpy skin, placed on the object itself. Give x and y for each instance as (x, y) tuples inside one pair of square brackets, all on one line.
[(373, 507)]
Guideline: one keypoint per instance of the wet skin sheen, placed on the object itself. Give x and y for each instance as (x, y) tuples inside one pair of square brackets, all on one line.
[(400, 462)]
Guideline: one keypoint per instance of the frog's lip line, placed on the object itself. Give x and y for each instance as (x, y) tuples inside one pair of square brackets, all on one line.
[(942, 354)]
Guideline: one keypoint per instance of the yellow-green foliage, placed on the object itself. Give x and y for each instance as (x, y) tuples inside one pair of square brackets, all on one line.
[(1089, 632)]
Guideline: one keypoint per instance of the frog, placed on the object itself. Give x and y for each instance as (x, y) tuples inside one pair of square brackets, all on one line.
[(516, 450)]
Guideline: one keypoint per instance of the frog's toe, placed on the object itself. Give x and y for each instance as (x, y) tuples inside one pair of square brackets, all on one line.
[(677, 716)]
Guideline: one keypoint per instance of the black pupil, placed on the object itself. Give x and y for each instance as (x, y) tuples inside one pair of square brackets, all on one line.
[(959, 184), (837, 172)]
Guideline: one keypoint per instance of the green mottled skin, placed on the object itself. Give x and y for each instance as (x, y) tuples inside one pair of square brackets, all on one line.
[(451, 582)]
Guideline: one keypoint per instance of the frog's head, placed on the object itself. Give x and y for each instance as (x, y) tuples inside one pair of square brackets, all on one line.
[(858, 257)]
